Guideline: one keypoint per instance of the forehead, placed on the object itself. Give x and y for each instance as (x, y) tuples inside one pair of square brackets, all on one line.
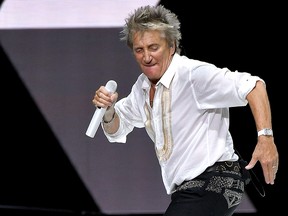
[(142, 38)]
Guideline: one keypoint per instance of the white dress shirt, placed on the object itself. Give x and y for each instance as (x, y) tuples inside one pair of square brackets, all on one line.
[(189, 121)]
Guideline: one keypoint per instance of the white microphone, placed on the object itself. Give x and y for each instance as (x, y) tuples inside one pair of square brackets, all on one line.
[(110, 86)]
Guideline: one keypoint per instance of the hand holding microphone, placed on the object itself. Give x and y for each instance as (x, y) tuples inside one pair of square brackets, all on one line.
[(110, 86)]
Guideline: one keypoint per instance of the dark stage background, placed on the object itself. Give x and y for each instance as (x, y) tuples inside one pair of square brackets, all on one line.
[(49, 166)]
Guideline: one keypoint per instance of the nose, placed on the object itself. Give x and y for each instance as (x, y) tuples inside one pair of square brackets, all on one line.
[(147, 57)]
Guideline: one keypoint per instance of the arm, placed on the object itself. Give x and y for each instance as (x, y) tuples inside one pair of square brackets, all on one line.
[(265, 151)]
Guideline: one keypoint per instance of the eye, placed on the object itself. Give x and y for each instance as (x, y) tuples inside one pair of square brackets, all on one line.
[(154, 47), (138, 50)]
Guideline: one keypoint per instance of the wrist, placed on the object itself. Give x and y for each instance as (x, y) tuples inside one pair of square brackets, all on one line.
[(109, 118), (265, 132)]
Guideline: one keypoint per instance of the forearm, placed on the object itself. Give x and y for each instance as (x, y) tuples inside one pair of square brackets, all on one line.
[(260, 106)]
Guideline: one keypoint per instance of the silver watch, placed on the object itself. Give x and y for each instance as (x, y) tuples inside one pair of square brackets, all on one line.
[(265, 132)]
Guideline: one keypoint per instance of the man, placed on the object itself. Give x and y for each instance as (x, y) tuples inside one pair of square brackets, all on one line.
[(184, 106)]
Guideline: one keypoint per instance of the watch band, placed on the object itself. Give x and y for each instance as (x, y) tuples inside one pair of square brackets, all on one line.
[(265, 132)]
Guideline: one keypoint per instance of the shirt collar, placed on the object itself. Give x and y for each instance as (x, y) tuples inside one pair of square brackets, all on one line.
[(167, 77)]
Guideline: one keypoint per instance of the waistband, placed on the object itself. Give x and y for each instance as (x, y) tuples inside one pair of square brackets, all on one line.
[(231, 167)]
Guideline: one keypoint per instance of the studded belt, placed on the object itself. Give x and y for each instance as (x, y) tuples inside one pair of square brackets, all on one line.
[(232, 167)]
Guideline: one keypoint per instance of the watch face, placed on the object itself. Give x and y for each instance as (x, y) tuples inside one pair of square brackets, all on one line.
[(265, 132), (268, 132)]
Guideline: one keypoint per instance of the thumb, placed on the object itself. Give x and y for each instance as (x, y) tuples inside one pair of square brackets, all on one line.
[(251, 164)]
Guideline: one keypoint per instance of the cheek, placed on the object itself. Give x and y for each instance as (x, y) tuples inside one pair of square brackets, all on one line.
[(138, 57), (164, 56), (158, 55)]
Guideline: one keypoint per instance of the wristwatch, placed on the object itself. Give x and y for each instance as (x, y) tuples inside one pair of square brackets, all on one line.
[(265, 132)]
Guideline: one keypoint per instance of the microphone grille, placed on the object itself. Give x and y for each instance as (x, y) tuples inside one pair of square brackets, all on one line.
[(111, 86)]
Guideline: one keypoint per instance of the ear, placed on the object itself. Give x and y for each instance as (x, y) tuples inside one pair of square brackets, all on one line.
[(173, 49)]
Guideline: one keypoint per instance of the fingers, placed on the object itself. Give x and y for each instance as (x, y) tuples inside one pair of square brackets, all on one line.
[(103, 98), (272, 167), (270, 170), (275, 168), (273, 172), (269, 167)]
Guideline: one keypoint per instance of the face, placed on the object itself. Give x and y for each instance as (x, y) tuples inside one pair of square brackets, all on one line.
[(152, 53)]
